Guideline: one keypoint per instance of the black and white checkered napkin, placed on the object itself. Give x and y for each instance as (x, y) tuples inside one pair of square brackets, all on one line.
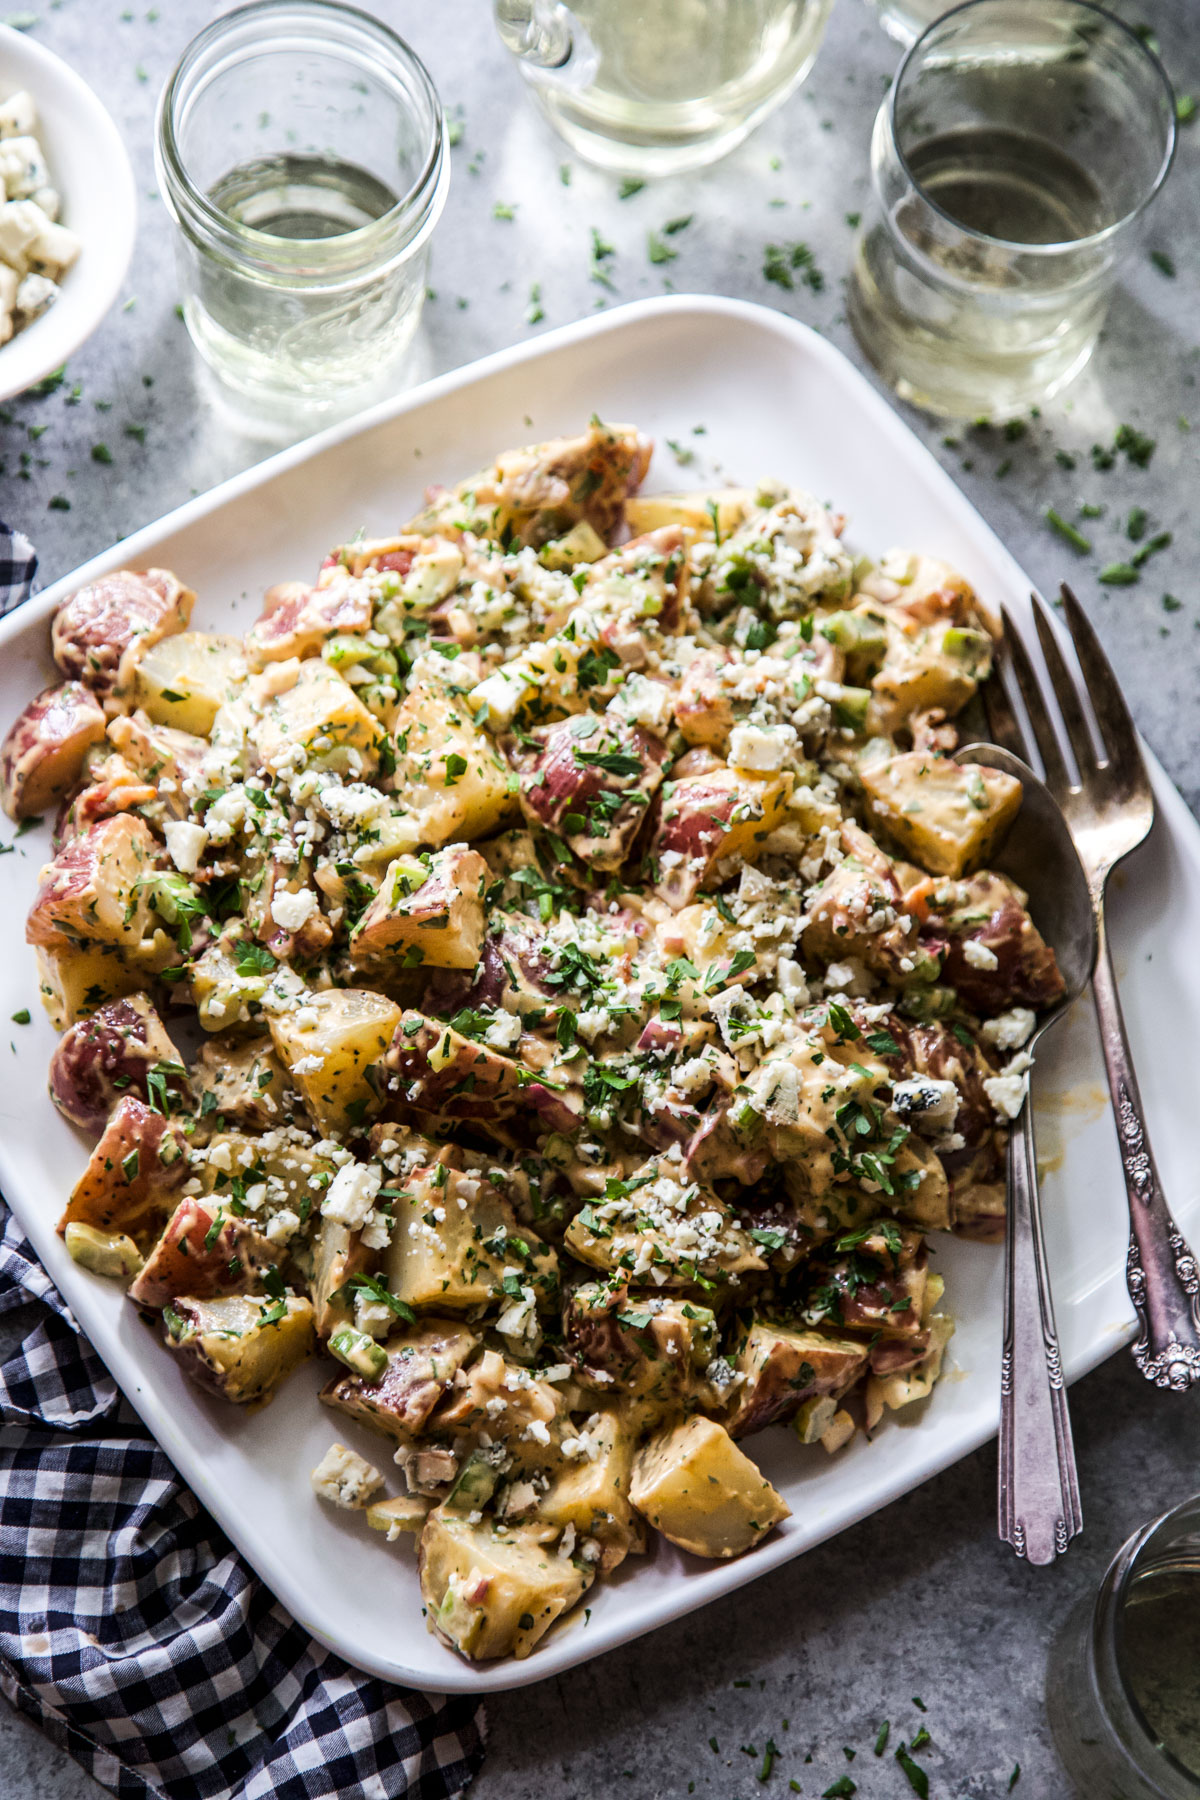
[(131, 1630), (18, 566)]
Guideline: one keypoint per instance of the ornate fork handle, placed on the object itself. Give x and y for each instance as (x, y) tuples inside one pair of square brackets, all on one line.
[(1163, 1277), (1039, 1490)]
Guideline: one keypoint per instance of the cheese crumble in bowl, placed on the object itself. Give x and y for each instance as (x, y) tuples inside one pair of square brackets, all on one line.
[(605, 1002), (67, 212)]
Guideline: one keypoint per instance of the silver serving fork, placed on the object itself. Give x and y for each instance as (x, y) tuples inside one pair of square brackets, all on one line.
[(1109, 808)]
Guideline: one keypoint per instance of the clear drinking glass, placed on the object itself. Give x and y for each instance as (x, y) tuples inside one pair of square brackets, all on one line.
[(905, 20), (301, 150), (1012, 164), (653, 87), (1123, 1687)]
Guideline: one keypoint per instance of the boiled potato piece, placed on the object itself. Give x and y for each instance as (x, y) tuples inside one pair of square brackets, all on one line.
[(452, 1256), (925, 666), (948, 816), (240, 1346), (695, 1486), (450, 774), (421, 1364), (494, 1590), (591, 1491), (132, 1174), (404, 1515), (707, 819), (42, 757), (95, 891), (347, 1030), (76, 981), (108, 1253), (181, 681), (697, 509), (247, 1082), (338, 1253), (783, 1368), (431, 908), (322, 715)]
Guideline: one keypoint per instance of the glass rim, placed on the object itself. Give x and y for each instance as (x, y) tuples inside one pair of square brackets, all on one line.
[(1066, 245), (421, 198), (1126, 1566)]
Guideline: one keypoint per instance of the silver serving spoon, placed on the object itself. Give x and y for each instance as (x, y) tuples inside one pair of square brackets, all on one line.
[(1039, 1489)]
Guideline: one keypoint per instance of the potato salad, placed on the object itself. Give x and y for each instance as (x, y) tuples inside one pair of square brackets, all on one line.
[(549, 970)]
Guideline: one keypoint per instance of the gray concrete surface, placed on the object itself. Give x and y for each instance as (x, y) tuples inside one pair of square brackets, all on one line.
[(920, 1600)]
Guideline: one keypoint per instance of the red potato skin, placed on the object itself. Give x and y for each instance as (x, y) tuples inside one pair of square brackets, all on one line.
[(1027, 973), (42, 757), (421, 1366), (108, 1196), (296, 619), (476, 1082), (53, 917), (100, 1059), (95, 628), (555, 784), (694, 826), (189, 1260)]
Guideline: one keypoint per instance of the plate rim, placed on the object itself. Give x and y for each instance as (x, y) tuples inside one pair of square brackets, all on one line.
[(147, 1400)]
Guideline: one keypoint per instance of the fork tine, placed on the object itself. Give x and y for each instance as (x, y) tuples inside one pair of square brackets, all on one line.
[(1117, 731), (1003, 726), (1066, 691), (1057, 779)]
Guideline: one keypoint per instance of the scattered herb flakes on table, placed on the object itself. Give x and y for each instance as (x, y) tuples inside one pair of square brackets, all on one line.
[(603, 994)]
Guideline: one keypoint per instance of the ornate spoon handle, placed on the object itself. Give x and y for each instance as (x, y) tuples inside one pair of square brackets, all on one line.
[(1039, 1489), (1164, 1281)]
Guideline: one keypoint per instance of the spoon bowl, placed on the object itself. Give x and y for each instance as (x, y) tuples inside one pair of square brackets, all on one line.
[(1039, 854)]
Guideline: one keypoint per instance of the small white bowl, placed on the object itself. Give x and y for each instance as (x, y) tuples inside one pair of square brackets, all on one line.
[(90, 168)]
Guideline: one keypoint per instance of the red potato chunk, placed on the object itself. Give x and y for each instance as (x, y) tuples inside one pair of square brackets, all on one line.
[(531, 495), (91, 892), (704, 706), (238, 1346), (95, 630), (42, 757), (139, 1163), (112, 787), (783, 1368), (872, 1279), (161, 755), (1010, 963), (394, 555), (431, 907), (203, 1252), (443, 1074), (115, 1052), (709, 818), (422, 1363), (590, 785), (297, 619)]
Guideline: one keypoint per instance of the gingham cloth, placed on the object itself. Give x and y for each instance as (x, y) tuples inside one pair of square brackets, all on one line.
[(131, 1631), (18, 566)]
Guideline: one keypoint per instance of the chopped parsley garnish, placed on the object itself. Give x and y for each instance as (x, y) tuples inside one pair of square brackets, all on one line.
[(1067, 531), (253, 959)]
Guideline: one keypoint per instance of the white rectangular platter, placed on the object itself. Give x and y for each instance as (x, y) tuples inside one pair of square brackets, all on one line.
[(776, 400)]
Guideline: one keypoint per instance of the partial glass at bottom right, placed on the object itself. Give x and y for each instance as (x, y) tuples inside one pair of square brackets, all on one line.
[(1012, 166), (1123, 1687)]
